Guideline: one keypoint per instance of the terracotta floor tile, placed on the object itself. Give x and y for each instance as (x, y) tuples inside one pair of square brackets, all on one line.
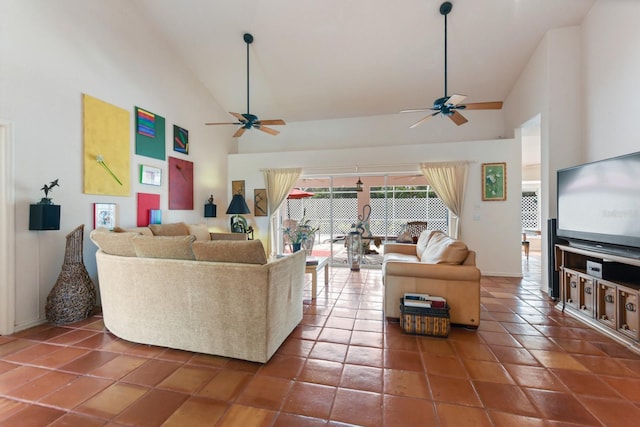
[(627, 387), (603, 365), (60, 357), (613, 412), (368, 325), (17, 377), (291, 420), (151, 372), (520, 329), (7, 366), (403, 360), (49, 333), (329, 351), (367, 339), (33, 416), (403, 342), (561, 406), (406, 383), (70, 419), (118, 367), (174, 355), (505, 398), (88, 362), (491, 326), (296, 347), (72, 336), (153, 408), (32, 352), (368, 356), (481, 370), (306, 332), (503, 419), (535, 377), (453, 390), (209, 360), (336, 322), (357, 407), (312, 400), (578, 346), (265, 392), (582, 383), (8, 407), (447, 366), (196, 412), (246, 416), (188, 379), (408, 411), (455, 415), (520, 356), (499, 338), (111, 401), (366, 378), (41, 386), (321, 372), (475, 351), (96, 341), (73, 394), (284, 366), (340, 336), (226, 385), (537, 343), (558, 360)]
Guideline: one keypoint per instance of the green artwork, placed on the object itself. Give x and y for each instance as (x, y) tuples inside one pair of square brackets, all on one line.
[(494, 178), (150, 134)]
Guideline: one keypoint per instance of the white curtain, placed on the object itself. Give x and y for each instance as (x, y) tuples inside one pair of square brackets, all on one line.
[(449, 180), (278, 183)]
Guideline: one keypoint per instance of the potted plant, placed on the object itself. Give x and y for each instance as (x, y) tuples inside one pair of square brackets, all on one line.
[(301, 235)]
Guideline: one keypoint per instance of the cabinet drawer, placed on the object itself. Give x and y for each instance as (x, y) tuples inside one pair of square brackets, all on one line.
[(572, 294), (606, 304), (588, 290), (628, 320)]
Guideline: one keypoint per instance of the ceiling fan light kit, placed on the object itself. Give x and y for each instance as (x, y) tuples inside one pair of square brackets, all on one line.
[(248, 120), (448, 106)]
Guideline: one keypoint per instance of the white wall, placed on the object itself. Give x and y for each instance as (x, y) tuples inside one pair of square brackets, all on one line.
[(492, 229), (52, 53), (611, 64)]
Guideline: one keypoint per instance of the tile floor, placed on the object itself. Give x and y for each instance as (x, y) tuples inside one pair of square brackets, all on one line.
[(527, 365)]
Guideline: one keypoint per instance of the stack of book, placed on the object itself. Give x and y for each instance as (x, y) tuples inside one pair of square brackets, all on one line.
[(423, 301)]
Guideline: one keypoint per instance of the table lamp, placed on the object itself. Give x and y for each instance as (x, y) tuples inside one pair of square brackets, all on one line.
[(237, 207)]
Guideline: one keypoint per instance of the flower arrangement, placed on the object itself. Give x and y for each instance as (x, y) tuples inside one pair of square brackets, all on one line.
[(301, 232)]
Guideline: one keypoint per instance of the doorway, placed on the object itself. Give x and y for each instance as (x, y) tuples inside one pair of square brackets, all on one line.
[(7, 231), (531, 211)]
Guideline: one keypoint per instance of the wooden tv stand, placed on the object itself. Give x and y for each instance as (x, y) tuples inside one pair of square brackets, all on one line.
[(608, 303)]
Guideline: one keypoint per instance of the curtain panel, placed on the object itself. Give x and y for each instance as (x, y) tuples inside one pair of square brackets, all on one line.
[(278, 183)]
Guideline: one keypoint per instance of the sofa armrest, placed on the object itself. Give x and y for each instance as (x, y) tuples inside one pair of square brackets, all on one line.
[(400, 248), (432, 271)]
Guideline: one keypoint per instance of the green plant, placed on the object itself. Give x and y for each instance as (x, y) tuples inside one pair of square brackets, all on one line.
[(301, 232)]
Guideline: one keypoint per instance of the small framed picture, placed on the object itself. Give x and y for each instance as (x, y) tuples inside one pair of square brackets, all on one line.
[(104, 215), (260, 202), (150, 175), (237, 187), (494, 181)]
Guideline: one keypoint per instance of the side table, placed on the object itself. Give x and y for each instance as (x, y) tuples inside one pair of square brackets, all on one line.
[(315, 264)]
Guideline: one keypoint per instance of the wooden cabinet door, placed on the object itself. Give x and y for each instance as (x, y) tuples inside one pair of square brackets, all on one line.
[(628, 320), (606, 303), (572, 292), (588, 290)]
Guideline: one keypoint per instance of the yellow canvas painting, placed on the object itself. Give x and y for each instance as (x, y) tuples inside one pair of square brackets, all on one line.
[(106, 148)]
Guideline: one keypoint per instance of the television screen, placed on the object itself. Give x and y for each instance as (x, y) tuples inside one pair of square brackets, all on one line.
[(599, 203)]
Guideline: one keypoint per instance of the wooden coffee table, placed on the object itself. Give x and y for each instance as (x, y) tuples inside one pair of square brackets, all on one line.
[(315, 264)]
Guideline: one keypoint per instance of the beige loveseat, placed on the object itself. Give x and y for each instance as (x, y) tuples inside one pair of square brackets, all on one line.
[(216, 297), (436, 265)]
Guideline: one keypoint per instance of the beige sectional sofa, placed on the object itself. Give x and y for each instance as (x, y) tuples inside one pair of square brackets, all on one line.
[(220, 297), (436, 265)]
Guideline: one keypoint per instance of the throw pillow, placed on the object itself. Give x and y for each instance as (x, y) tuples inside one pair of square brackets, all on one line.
[(239, 251), (172, 247), (175, 229), (120, 243), (423, 240), (442, 249), (201, 231)]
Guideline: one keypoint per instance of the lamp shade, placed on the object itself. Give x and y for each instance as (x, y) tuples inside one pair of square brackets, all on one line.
[(238, 205)]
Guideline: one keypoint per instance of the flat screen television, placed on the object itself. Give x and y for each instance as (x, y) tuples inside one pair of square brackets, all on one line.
[(599, 205)]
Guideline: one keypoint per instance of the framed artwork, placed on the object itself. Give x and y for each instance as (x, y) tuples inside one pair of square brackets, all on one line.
[(180, 184), (155, 216), (180, 140), (104, 215), (237, 187), (146, 203), (150, 175), (150, 134), (260, 202), (494, 181)]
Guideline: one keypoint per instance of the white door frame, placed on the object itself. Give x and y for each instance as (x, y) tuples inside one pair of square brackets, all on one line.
[(7, 231)]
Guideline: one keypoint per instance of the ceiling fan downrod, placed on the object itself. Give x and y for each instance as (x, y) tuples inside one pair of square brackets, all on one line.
[(248, 39), (445, 8)]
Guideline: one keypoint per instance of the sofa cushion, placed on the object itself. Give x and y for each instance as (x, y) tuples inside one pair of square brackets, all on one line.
[(145, 231), (244, 252), (201, 231), (174, 229), (442, 249), (114, 243), (423, 241), (173, 247)]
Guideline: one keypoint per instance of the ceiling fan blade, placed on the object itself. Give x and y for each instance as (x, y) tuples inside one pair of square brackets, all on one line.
[(238, 116), (419, 122), (456, 99), (271, 122), (417, 110), (267, 130), (229, 123), (458, 118), (497, 105), (239, 132)]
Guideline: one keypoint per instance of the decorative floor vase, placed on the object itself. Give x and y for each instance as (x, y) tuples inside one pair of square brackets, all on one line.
[(73, 297), (296, 246)]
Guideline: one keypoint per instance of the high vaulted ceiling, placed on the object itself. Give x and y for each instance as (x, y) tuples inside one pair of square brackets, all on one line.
[(327, 59)]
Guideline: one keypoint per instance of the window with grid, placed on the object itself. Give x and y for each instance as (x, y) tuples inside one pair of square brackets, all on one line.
[(530, 211)]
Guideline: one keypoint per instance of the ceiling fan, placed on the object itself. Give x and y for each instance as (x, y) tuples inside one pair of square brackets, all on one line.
[(248, 120), (449, 105)]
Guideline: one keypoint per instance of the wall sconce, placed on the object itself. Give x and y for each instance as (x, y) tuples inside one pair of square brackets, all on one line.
[(359, 185), (210, 209), (237, 207)]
